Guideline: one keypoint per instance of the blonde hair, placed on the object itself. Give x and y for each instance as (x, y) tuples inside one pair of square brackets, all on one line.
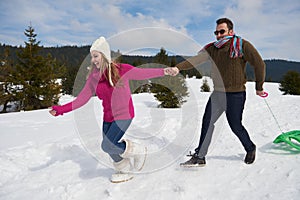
[(109, 70)]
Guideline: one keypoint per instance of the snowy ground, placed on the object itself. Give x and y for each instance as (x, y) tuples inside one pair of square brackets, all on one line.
[(43, 157)]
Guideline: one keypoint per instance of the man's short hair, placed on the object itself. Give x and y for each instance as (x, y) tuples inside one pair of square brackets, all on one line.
[(227, 21)]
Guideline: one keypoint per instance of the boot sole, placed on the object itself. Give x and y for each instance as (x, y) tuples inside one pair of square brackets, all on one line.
[(144, 160), (121, 181), (190, 166)]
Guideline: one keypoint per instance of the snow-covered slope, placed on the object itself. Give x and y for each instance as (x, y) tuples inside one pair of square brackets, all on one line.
[(43, 157)]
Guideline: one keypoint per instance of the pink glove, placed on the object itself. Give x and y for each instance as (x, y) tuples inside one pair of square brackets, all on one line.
[(57, 110), (60, 110)]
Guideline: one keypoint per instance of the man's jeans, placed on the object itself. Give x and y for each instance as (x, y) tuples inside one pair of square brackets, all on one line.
[(232, 103)]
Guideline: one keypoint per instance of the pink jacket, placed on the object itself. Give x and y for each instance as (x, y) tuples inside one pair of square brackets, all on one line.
[(116, 101)]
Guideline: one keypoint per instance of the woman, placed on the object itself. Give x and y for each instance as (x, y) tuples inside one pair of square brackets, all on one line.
[(110, 81)]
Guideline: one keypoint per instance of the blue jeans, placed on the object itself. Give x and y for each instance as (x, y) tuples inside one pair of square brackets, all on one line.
[(112, 134), (232, 103)]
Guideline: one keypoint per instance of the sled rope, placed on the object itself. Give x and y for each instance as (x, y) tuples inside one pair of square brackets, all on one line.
[(284, 137), (273, 115)]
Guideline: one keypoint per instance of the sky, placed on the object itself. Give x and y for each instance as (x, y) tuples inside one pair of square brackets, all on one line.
[(182, 27)]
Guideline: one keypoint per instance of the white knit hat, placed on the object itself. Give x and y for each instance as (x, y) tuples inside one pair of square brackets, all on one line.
[(102, 45)]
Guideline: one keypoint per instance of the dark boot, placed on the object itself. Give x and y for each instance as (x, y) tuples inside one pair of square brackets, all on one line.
[(195, 161), (250, 156)]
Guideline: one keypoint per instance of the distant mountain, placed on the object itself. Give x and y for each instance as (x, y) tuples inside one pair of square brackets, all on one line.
[(275, 69), (73, 56)]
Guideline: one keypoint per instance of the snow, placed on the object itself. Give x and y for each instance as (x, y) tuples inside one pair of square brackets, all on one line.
[(46, 157)]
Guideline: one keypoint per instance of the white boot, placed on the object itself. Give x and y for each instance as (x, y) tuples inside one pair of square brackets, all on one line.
[(123, 169), (137, 152)]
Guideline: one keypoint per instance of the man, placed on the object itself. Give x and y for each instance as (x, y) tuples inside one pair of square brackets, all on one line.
[(229, 54)]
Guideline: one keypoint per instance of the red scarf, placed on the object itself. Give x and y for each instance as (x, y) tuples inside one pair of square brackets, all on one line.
[(236, 49)]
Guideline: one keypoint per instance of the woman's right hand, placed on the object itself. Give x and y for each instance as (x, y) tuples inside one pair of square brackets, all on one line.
[(55, 110), (52, 112)]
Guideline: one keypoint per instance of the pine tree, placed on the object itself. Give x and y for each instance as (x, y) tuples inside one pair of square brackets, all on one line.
[(205, 87), (139, 86), (290, 83), (173, 61), (6, 81), (170, 91), (36, 75)]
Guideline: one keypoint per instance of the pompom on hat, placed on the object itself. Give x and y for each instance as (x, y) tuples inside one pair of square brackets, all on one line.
[(102, 46)]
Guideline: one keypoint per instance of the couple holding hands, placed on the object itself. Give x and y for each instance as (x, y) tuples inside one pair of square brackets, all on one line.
[(110, 82)]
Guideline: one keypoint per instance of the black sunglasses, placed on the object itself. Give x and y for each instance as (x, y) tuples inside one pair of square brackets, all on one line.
[(222, 31)]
